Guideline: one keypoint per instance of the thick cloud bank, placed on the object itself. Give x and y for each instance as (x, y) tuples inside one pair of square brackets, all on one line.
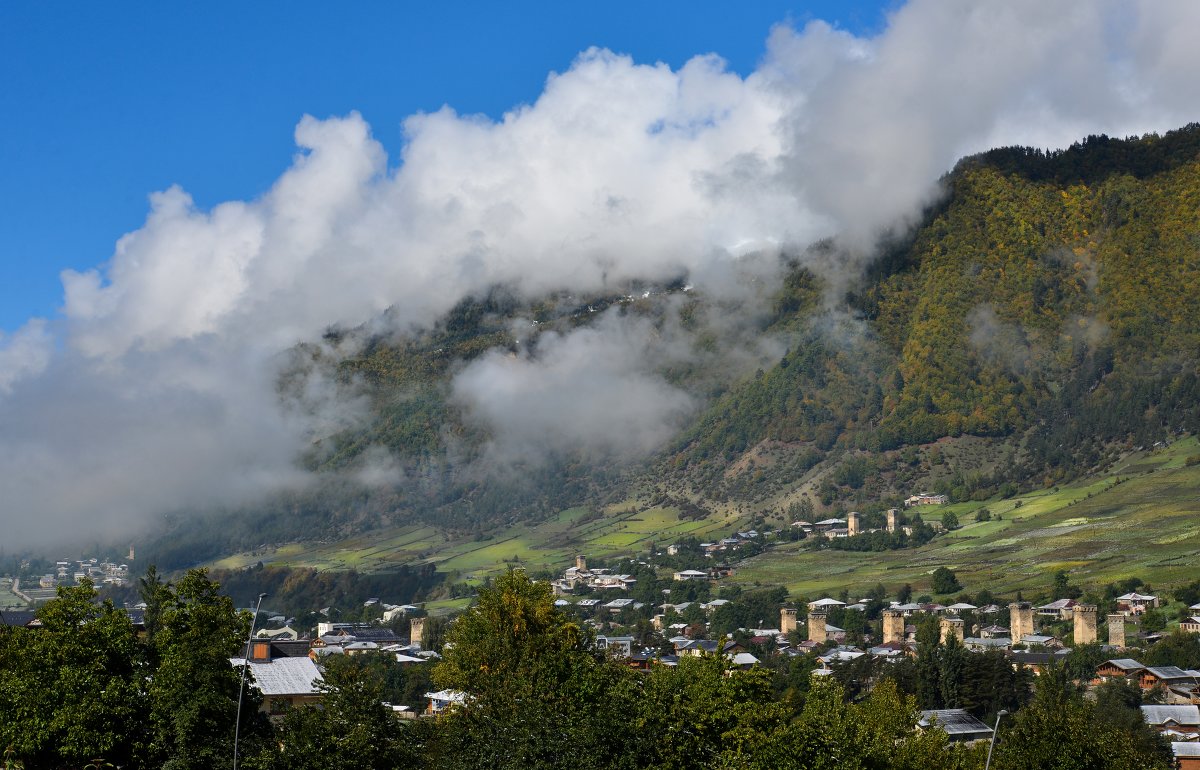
[(156, 390)]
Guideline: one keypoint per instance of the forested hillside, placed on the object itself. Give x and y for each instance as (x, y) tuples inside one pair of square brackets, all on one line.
[(1048, 305)]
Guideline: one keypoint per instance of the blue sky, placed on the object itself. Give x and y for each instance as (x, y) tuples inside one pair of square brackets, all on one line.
[(102, 104)]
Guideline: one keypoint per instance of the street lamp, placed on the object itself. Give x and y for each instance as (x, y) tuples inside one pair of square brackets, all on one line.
[(995, 732), (237, 726)]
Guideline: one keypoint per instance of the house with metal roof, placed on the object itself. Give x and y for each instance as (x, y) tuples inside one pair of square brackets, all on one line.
[(1187, 754), (1134, 603), (1180, 719), (284, 680), (1167, 676), (1062, 609), (1118, 668), (443, 699)]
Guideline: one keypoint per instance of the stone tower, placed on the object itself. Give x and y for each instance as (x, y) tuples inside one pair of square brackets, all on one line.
[(580, 563), (893, 626), (416, 631), (787, 620), (816, 626), (893, 520), (853, 523), (1116, 630), (951, 627), (1020, 620), (1085, 623)]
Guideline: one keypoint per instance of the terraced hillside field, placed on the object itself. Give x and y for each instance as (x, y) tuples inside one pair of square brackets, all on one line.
[(551, 544), (1143, 521)]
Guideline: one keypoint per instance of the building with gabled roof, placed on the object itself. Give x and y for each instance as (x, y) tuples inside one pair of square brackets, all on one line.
[(1134, 603), (1182, 719), (283, 679), (1187, 754), (1060, 609), (1167, 676), (1118, 668)]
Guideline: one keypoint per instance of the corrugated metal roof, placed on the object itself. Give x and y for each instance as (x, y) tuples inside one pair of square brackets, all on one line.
[(1168, 672), (284, 676), (953, 721), (1182, 749), (1180, 715)]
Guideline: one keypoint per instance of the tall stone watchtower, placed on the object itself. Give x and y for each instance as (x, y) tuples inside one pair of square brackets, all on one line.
[(893, 626), (853, 523), (1020, 620), (1085, 623), (951, 627), (1116, 630), (787, 620), (416, 631), (580, 562), (893, 520), (816, 626)]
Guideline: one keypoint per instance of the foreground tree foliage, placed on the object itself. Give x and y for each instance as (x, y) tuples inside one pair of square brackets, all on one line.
[(193, 692), (351, 729), (83, 690), (70, 690)]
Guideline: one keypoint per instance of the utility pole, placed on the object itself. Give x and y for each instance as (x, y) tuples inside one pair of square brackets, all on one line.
[(995, 733), (237, 727)]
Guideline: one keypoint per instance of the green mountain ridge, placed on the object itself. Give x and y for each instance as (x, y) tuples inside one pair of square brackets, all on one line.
[(1041, 318)]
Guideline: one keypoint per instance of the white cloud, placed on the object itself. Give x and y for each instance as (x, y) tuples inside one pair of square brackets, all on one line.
[(593, 390), (25, 353)]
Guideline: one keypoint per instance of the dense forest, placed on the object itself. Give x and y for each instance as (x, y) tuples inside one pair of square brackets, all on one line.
[(1048, 302)]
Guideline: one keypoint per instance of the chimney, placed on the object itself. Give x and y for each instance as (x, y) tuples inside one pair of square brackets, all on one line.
[(580, 563), (1085, 623), (853, 523), (260, 651), (893, 626), (1116, 630), (1020, 620), (816, 626), (951, 627), (416, 632), (893, 519), (787, 620)]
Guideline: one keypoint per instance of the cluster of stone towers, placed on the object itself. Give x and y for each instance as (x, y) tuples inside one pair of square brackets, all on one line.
[(1020, 624)]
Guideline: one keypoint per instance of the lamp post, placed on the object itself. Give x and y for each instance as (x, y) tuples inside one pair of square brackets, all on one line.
[(237, 726), (995, 732)]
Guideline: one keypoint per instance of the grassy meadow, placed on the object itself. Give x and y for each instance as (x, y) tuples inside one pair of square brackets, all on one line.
[(1143, 519)]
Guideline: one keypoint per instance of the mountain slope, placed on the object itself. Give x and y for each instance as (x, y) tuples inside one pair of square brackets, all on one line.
[(1043, 315)]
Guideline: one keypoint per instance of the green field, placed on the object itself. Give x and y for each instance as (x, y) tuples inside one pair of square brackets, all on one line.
[(551, 544), (1100, 531), (9, 600), (1141, 520)]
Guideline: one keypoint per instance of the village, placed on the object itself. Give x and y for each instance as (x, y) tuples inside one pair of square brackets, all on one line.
[(285, 663), (677, 603)]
